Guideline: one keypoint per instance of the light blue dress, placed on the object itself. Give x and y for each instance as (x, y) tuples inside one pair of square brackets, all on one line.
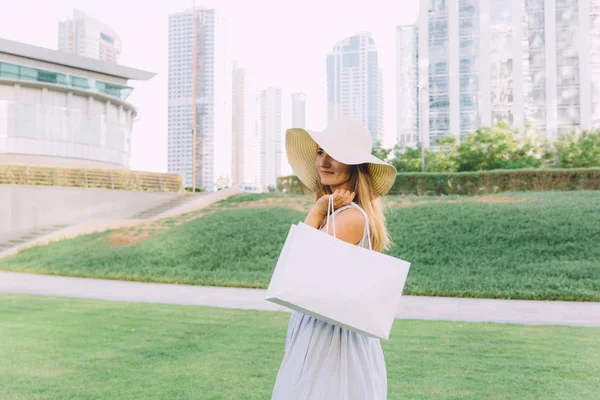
[(327, 362)]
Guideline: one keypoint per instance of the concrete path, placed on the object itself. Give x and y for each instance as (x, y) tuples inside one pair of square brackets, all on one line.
[(411, 307)]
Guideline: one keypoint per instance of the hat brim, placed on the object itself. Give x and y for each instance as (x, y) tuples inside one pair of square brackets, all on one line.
[(301, 148)]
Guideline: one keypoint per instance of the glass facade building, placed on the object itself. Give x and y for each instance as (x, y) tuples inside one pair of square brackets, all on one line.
[(271, 141), (88, 37), (245, 135), (439, 71), (55, 112), (199, 98), (526, 63), (23, 73), (355, 83), (407, 94), (298, 110)]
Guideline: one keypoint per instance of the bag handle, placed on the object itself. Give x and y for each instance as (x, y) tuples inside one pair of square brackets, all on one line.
[(331, 211)]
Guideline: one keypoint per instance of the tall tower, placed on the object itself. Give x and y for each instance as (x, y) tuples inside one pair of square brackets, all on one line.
[(271, 137), (199, 135), (354, 83), (245, 136), (407, 100), (298, 110)]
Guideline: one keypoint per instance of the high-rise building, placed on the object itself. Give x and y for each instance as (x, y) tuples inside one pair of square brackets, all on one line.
[(199, 131), (88, 37), (526, 63), (407, 100), (245, 134), (355, 83), (271, 148), (564, 41), (299, 110)]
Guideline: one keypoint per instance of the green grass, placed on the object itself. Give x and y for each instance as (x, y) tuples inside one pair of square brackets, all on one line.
[(544, 247), (247, 197), (56, 348)]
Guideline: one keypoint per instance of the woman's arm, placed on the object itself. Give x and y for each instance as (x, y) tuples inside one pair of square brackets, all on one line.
[(349, 224), (316, 216)]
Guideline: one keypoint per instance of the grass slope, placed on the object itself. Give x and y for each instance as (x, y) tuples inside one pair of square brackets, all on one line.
[(527, 246)]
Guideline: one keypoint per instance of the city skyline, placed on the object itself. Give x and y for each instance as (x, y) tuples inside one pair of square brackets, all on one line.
[(296, 66)]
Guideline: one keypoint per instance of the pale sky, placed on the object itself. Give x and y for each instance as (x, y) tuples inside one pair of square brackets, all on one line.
[(282, 43)]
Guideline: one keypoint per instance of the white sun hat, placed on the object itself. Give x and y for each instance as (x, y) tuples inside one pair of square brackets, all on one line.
[(345, 141)]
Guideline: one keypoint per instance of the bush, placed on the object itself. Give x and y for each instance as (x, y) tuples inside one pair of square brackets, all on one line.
[(291, 184), (484, 182), (579, 150), (197, 190), (488, 148)]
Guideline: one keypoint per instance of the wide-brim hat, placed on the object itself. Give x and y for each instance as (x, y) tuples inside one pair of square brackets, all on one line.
[(348, 142)]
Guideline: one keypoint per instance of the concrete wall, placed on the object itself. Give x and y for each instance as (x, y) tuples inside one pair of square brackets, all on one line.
[(54, 161), (25, 208), (100, 225)]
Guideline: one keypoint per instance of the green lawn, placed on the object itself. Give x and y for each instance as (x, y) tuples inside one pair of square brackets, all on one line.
[(56, 348), (543, 246)]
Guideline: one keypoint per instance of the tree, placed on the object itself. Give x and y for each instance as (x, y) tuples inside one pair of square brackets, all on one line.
[(498, 147), (407, 159), (578, 150), (445, 158), (380, 152)]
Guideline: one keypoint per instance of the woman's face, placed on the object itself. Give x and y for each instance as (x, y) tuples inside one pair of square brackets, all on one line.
[(332, 173)]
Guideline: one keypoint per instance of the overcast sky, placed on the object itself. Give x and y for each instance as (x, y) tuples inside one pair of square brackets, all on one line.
[(281, 42)]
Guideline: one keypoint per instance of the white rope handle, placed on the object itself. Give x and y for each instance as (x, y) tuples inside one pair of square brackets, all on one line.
[(331, 211)]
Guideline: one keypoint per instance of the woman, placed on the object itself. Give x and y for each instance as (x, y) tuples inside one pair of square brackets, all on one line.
[(324, 361)]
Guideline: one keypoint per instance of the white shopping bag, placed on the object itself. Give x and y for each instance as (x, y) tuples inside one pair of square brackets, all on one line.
[(338, 282)]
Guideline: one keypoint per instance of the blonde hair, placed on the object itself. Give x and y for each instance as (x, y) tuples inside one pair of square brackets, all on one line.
[(367, 199)]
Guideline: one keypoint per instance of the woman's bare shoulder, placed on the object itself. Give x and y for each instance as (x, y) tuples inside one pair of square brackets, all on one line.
[(351, 215), (349, 225)]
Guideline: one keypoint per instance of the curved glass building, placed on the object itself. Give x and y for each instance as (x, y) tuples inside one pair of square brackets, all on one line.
[(63, 109)]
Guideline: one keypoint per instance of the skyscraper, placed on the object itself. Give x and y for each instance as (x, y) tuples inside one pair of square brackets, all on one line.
[(271, 148), (199, 132), (564, 40), (523, 62), (88, 37), (407, 104), (245, 133), (298, 110), (355, 83)]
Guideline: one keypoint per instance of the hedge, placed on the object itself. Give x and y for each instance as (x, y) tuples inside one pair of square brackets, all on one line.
[(484, 182), (479, 182), (105, 178)]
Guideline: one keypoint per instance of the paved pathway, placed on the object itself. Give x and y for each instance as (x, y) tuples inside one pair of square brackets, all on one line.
[(411, 307)]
